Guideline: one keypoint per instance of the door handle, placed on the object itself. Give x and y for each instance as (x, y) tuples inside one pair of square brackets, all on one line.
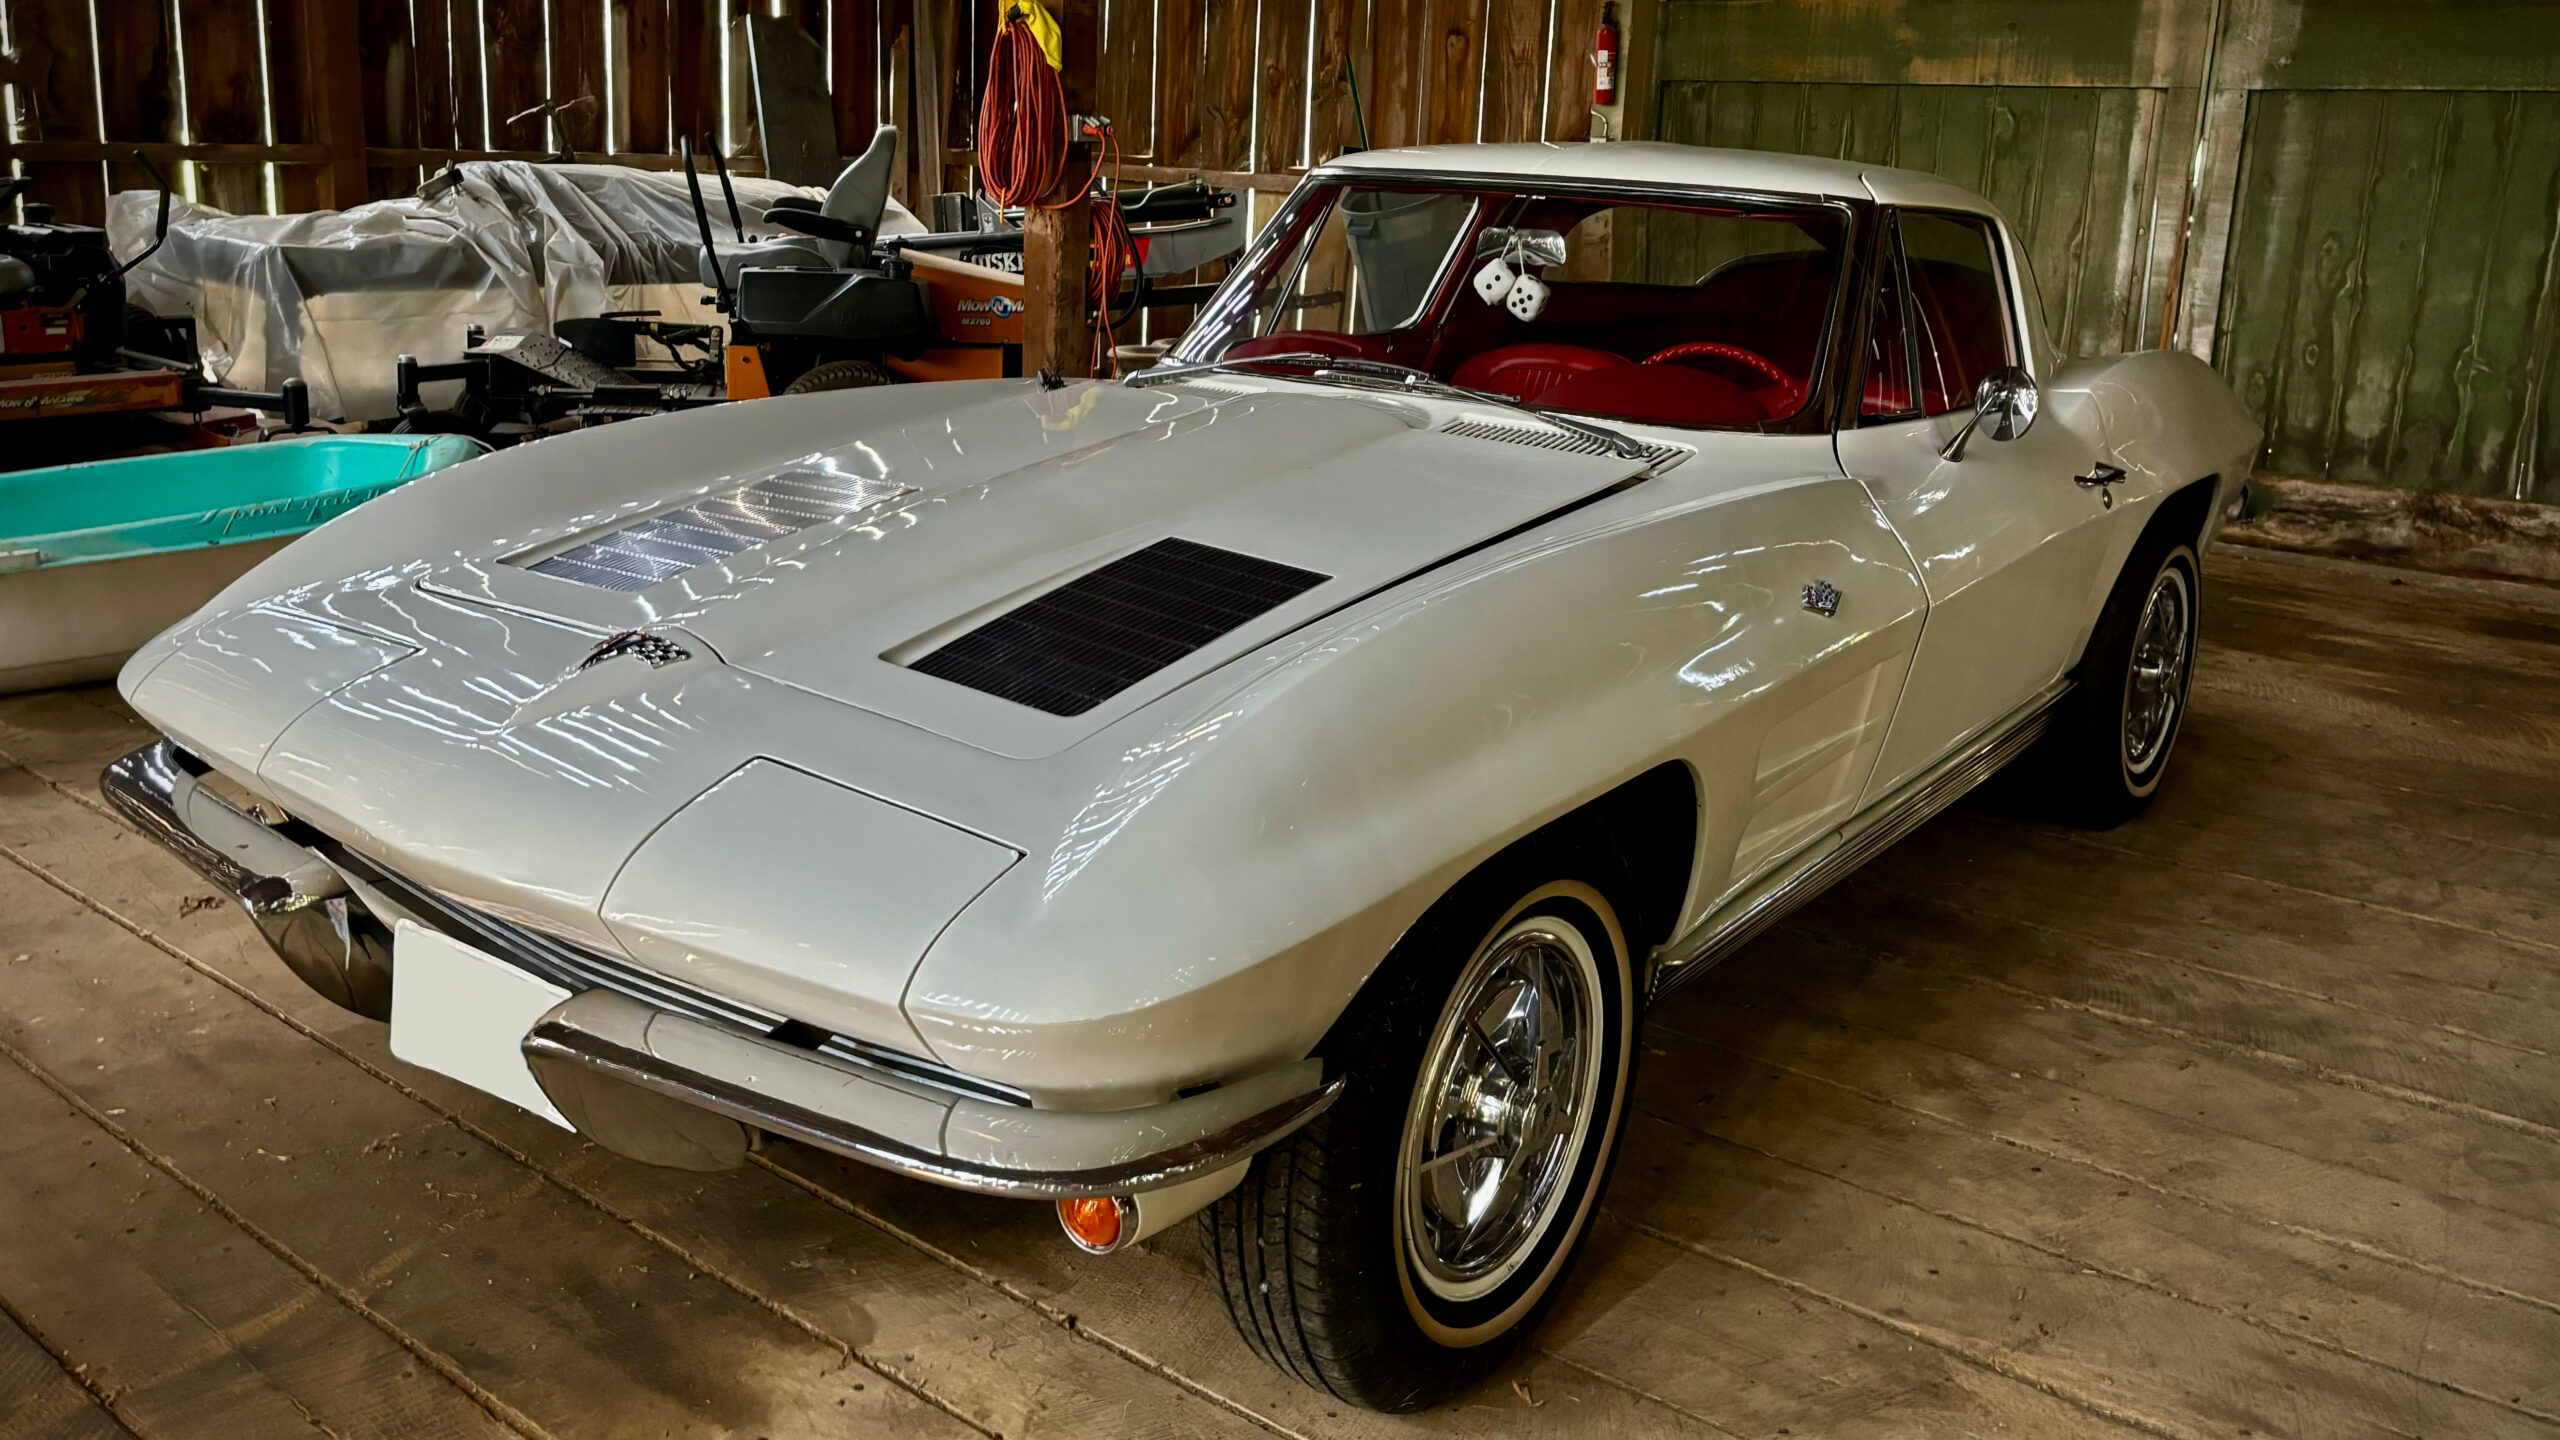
[(2100, 478)]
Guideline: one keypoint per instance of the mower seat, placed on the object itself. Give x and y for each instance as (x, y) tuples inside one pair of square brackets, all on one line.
[(859, 198)]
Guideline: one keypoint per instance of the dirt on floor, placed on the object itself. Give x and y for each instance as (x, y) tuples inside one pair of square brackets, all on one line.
[(2240, 1120)]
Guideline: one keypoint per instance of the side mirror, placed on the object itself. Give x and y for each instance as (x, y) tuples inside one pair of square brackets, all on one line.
[(2004, 407)]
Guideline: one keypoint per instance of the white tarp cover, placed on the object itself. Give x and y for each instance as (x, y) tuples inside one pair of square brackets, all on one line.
[(335, 296)]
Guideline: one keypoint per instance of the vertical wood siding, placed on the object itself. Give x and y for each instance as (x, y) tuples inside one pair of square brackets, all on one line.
[(2375, 258), (2389, 305), (1257, 88), (2086, 226)]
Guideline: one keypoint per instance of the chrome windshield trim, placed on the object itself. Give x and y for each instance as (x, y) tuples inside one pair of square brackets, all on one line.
[(1378, 377)]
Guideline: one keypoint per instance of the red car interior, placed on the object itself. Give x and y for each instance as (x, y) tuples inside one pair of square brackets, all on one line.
[(1962, 334), (1321, 342), (1732, 351), (1736, 347), (1527, 371), (1670, 394)]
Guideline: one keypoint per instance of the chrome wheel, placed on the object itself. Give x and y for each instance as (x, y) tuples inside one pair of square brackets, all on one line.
[(2155, 687), (1501, 1109)]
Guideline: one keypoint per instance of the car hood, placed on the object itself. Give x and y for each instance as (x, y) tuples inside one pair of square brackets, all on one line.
[(773, 803), (946, 520)]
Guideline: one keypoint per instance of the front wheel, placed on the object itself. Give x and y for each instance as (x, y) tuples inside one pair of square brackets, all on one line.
[(2109, 747), (1394, 1250)]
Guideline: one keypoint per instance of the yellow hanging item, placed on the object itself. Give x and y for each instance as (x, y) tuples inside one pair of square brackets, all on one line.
[(1044, 28)]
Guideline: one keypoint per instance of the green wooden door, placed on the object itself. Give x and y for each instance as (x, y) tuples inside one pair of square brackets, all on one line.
[(2388, 307), (2071, 166)]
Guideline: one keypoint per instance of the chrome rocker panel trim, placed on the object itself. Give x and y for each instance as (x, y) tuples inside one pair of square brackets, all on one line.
[(897, 1113), (1830, 859)]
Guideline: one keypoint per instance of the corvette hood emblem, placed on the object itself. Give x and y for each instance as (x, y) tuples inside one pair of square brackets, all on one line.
[(653, 651)]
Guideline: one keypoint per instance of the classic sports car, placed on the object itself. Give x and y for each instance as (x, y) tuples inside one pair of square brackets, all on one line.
[(1271, 786)]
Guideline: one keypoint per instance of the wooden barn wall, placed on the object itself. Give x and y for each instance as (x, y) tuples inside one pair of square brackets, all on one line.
[(283, 105), (291, 105), (2374, 256)]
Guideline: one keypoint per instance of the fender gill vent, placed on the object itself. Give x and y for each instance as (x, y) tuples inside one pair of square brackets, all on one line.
[(1541, 437), (1100, 633), (660, 547)]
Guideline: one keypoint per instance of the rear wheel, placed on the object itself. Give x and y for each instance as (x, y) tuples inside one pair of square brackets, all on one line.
[(2109, 749), (839, 375), (1395, 1249)]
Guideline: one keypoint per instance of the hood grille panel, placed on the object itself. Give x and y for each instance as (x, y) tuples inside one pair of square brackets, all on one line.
[(660, 547), (1548, 438), (1095, 636)]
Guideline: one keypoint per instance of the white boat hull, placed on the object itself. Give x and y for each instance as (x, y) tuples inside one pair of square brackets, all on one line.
[(73, 624)]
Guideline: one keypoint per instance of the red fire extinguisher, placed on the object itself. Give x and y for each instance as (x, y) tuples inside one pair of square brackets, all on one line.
[(1604, 57)]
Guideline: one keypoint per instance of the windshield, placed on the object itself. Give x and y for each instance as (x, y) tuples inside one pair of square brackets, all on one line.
[(1699, 313)]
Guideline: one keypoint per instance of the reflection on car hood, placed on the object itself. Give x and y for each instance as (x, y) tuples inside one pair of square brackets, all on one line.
[(838, 570)]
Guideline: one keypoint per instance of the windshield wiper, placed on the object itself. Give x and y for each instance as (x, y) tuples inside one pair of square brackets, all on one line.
[(1401, 378), (1160, 374)]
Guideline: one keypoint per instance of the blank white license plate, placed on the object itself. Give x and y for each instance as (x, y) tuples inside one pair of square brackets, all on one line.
[(461, 1013)]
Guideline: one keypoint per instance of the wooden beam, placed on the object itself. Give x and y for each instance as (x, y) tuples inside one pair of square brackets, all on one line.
[(1454, 69), (1121, 91), (432, 159), (1057, 261), (161, 153), (575, 37), (853, 81), (693, 81), (1271, 181), (1280, 89), (333, 99), (516, 68), (1570, 71), (1080, 34), (644, 39), (1394, 85), (390, 109), (57, 102), (225, 101), (470, 86), (140, 69), (1279, 182)]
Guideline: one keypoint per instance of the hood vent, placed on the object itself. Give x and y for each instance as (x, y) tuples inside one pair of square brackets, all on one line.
[(1545, 437), (658, 548), (1102, 632)]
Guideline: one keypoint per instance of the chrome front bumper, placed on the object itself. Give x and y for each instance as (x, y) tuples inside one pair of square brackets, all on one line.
[(668, 1074)]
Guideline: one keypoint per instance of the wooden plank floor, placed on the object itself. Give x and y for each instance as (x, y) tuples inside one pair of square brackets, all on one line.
[(2241, 1120)]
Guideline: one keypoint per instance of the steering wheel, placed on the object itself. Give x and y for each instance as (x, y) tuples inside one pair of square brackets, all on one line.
[(1722, 351)]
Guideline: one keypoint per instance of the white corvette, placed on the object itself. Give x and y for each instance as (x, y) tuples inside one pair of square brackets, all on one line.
[(1274, 784)]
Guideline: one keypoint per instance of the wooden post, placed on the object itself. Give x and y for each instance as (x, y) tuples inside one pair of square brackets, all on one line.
[(1057, 255)]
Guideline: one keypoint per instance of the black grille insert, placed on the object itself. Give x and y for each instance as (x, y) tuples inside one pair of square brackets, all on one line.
[(1099, 634)]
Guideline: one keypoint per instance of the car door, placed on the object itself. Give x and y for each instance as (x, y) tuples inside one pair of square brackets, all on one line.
[(2006, 543)]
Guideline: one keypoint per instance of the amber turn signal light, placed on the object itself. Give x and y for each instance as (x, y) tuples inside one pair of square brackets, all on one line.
[(1095, 1222)]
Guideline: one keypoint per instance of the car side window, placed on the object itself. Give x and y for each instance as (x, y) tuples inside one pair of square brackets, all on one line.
[(1958, 314), (1886, 393)]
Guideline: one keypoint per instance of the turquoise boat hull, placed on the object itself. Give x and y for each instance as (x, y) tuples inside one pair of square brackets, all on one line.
[(99, 557)]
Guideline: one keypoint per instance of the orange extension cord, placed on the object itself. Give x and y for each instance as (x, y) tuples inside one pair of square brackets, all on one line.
[(1022, 120), (1022, 155)]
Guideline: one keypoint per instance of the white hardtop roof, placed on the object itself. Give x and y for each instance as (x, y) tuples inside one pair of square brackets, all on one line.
[(1649, 162)]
